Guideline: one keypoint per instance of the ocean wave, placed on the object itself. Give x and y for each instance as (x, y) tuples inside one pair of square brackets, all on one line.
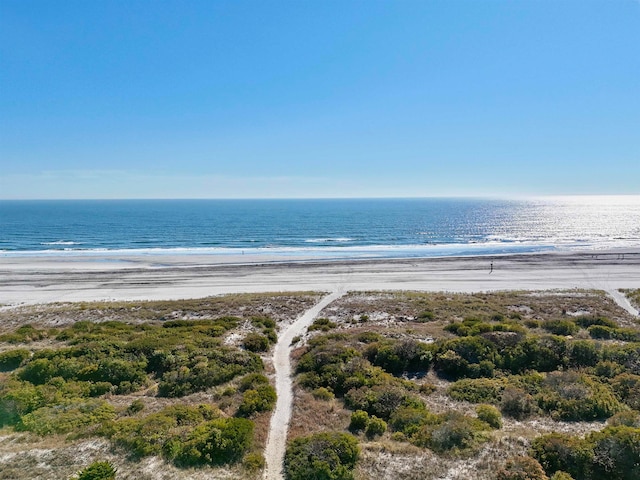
[(329, 240), (61, 242)]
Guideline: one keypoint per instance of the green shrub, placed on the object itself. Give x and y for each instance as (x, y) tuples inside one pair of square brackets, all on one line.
[(522, 468), (323, 394), (322, 324), (584, 353), (572, 396), (202, 369), (265, 322), (600, 331), (560, 475), (326, 456), (408, 420), (375, 427), (449, 432), (558, 451), (517, 403), (396, 357), (561, 327), (425, 316), (220, 441), (455, 357), (135, 407), (380, 400), (612, 453), (587, 321), (608, 369), (544, 354), (489, 415), (369, 337), (12, 359), (629, 418), (24, 334), (252, 381), (253, 462), (159, 432), (478, 390), (98, 471), (67, 417), (359, 420), (262, 399), (616, 453), (254, 342)]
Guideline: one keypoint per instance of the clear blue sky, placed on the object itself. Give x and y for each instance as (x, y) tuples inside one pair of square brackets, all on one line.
[(192, 99)]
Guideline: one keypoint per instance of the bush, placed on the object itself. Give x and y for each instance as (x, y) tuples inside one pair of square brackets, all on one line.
[(396, 357), (557, 451), (66, 418), (254, 342), (627, 387), (326, 456), (381, 400), (587, 321), (627, 418), (135, 407), (217, 442), (480, 390), (253, 462), (322, 324), (98, 471), (375, 427), (160, 432), (522, 468), (584, 353), (450, 431), (489, 415), (12, 359), (572, 396), (616, 453), (561, 327), (359, 420), (252, 381), (262, 399), (612, 453), (560, 475), (544, 354), (323, 394), (517, 403)]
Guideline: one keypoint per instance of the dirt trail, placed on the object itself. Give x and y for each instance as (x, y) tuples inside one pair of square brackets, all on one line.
[(277, 439)]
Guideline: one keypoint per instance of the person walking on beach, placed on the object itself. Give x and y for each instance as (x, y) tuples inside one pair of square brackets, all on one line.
[(491, 268)]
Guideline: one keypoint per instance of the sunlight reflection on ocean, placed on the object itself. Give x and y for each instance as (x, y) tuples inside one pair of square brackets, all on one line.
[(325, 228)]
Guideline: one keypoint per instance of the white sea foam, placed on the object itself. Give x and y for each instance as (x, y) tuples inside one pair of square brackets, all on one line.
[(329, 240), (61, 242)]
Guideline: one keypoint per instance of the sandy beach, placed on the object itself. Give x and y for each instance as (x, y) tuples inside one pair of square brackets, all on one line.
[(54, 279)]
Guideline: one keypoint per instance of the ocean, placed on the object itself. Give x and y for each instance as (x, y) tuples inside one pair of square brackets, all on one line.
[(327, 228)]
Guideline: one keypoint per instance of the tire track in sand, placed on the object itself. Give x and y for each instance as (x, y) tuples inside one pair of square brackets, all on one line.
[(277, 438)]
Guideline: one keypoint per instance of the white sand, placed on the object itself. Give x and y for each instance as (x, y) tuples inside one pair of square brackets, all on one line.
[(43, 280)]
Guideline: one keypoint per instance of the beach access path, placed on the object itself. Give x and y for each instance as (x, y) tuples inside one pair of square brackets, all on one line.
[(279, 426)]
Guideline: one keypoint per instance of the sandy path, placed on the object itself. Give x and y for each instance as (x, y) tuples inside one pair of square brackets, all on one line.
[(277, 439), (622, 301)]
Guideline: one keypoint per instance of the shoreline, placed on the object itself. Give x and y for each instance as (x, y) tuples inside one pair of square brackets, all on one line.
[(45, 280)]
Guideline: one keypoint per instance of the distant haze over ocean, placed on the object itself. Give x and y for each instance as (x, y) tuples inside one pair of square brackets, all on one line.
[(328, 228)]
